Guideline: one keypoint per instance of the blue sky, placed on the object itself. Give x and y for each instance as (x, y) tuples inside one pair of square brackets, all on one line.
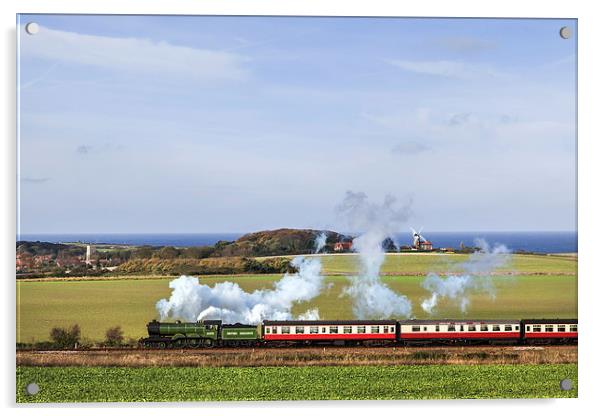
[(216, 124)]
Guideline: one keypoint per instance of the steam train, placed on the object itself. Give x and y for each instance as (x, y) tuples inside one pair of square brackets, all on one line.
[(211, 333)]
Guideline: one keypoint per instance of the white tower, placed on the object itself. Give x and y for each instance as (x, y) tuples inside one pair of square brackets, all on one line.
[(89, 252)]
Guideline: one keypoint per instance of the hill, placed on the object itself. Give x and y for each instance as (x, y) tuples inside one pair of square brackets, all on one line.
[(281, 242)]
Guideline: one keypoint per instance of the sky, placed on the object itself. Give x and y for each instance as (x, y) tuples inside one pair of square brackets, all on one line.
[(149, 124)]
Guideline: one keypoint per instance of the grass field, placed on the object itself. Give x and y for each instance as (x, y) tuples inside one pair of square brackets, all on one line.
[(410, 264), (105, 384), (98, 305)]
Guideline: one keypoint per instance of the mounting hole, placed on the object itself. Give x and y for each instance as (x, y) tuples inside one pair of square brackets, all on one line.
[(566, 384), (565, 32), (32, 389), (32, 28)]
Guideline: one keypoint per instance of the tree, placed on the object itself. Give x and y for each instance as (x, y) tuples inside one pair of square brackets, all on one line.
[(66, 338), (114, 336), (167, 253)]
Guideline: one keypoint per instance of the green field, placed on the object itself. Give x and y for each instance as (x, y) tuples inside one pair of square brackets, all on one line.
[(410, 264), (113, 384), (97, 305)]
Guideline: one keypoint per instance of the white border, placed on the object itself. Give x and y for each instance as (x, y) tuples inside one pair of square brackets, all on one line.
[(590, 211)]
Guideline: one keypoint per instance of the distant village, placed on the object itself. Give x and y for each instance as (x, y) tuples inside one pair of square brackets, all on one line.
[(37, 256)]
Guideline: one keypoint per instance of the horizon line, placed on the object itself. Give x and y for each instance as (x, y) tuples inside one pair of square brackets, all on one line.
[(280, 228)]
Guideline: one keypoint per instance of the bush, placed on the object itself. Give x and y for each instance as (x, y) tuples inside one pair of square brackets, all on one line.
[(66, 338), (114, 336)]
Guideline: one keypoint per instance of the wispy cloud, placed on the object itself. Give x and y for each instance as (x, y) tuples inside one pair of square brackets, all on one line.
[(140, 56), (412, 147), (27, 179), (83, 149), (86, 149), (464, 44), (461, 118), (448, 69), (32, 82)]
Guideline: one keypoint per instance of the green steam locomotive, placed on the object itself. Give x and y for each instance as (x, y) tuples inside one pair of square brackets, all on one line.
[(201, 334)]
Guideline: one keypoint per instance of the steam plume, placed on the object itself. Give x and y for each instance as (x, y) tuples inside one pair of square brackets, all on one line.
[(320, 242), (191, 300), (475, 278), (371, 297)]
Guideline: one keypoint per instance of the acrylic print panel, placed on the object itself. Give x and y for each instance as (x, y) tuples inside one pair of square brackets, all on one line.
[(295, 208)]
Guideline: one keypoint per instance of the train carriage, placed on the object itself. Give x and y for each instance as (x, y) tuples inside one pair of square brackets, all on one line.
[(547, 331), (459, 331), (341, 332), (209, 333)]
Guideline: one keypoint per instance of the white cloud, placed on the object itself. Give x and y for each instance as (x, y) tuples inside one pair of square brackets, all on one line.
[(412, 147), (465, 44), (139, 56), (448, 69)]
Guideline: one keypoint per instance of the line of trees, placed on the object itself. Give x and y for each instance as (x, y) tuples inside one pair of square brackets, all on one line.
[(69, 338)]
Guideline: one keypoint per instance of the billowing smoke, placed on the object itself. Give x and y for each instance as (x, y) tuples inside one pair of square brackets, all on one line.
[(376, 222), (475, 277), (191, 300), (320, 242)]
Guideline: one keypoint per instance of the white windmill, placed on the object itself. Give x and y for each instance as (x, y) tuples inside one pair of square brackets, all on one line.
[(418, 239)]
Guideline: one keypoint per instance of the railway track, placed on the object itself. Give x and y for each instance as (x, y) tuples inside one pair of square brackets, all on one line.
[(302, 356), (218, 349)]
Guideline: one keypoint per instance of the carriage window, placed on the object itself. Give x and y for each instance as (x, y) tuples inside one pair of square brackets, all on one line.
[(323, 329), (484, 328), (573, 328), (536, 328), (267, 330), (516, 327), (415, 328), (334, 329), (375, 329), (561, 328), (313, 329), (451, 328), (472, 328), (436, 328), (392, 329), (508, 328), (496, 327), (549, 328), (528, 327), (461, 327), (386, 329), (361, 329), (347, 330), (300, 330), (285, 329)]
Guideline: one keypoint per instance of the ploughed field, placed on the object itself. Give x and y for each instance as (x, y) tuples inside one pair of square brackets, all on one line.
[(112, 384), (529, 287)]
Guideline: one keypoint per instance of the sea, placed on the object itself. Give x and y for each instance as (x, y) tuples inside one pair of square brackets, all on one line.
[(538, 242)]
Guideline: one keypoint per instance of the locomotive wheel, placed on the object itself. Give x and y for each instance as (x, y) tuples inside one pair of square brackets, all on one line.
[(208, 343), (161, 345), (194, 343)]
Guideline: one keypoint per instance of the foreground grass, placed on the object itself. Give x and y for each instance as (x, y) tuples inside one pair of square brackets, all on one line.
[(103, 384), (98, 305)]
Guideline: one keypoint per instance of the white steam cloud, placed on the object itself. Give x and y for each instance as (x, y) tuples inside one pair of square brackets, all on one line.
[(371, 297), (475, 278), (191, 300), (320, 242)]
